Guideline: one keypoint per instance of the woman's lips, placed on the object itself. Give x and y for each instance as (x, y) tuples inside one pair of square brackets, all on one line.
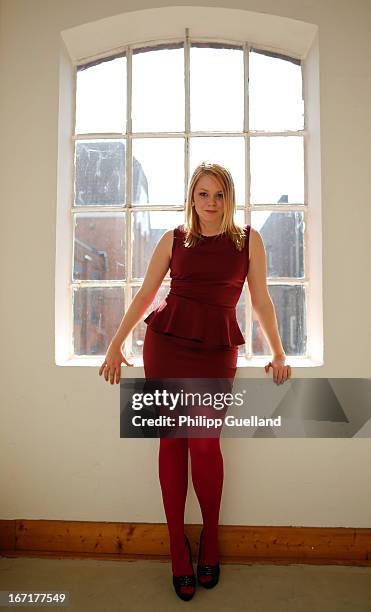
[(210, 211)]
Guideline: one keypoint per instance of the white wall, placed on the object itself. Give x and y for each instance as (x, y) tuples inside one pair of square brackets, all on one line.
[(60, 454)]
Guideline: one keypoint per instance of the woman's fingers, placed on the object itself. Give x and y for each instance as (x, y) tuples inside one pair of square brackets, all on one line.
[(102, 368), (281, 373), (117, 370), (112, 371), (109, 371)]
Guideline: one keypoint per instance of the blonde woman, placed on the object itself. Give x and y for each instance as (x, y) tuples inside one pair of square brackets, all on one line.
[(194, 333)]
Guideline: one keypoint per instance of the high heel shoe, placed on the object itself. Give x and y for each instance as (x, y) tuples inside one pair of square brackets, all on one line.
[(185, 581), (207, 570)]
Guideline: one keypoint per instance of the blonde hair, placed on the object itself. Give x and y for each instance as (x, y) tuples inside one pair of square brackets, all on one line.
[(228, 226)]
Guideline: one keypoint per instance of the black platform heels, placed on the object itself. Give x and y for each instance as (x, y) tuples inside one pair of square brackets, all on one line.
[(185, 581), (207, 570)]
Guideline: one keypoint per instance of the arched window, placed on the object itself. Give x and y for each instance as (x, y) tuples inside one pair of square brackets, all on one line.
[(145, 117)]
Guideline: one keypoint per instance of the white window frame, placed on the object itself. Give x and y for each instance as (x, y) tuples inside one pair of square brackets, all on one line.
[(127, 285)]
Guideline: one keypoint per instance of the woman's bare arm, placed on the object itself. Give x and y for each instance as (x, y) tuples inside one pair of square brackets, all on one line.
[(260, 298), (156, 271)]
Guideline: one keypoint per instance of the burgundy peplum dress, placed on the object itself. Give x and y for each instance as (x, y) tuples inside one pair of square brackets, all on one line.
[(194, 331)]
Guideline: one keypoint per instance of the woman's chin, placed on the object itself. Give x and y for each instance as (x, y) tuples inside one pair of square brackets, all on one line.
[(208, 216)]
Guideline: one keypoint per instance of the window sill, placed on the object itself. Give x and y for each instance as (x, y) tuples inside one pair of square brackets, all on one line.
[(252, 366)]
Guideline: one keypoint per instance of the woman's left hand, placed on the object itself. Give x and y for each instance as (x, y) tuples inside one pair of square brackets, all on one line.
[(281, 371)]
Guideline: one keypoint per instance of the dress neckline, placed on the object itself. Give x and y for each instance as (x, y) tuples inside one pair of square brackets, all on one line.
[(212, 236)]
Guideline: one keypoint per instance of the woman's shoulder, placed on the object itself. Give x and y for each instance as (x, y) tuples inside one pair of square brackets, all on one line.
[(254, 234), (256, 243), (173, 233)]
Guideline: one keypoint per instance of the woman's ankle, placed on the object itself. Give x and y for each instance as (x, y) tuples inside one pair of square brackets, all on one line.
[(209, 547), (181, 565)]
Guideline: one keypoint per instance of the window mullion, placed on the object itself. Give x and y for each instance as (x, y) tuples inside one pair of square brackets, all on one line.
[(187, 126), (129, 196), (246, 127)]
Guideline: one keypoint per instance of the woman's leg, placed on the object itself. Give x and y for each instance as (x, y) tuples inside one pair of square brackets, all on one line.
[(162, 359), (173, 474), (207, 466), (207, 477)]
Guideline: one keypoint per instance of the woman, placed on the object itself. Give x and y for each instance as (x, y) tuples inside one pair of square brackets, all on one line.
[(194, 333)]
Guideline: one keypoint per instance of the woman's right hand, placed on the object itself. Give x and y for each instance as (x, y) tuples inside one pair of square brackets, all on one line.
[(111, 366)]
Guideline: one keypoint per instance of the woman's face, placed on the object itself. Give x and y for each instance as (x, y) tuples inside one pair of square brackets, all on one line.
[(208, 199)]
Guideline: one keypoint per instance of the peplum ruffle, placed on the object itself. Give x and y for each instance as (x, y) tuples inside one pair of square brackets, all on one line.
[(209, 324)]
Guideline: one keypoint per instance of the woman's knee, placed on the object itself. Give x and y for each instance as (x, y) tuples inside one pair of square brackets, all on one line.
[(174, 445), (204, 447)]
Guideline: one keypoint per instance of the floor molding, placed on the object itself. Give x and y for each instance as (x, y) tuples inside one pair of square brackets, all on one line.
[(149, 541)]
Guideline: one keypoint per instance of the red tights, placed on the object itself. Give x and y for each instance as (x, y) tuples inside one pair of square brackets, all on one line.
[(207, 477)]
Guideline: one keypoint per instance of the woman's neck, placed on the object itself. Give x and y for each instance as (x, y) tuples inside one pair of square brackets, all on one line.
[(209, 230)]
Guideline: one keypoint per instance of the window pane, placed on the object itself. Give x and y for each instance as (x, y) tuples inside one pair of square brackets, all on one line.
[(275, 94), (239, 217), (97, 313), (283, 237), (158, 90), (147, 229), (229, 152), (277, 170), (289, 303), (99, 246), (140, 329), (216, 89), (100, 172), (101, 97), (158, 170)]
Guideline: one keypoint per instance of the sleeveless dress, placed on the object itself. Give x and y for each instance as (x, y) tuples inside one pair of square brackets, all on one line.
[(194, 331)]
